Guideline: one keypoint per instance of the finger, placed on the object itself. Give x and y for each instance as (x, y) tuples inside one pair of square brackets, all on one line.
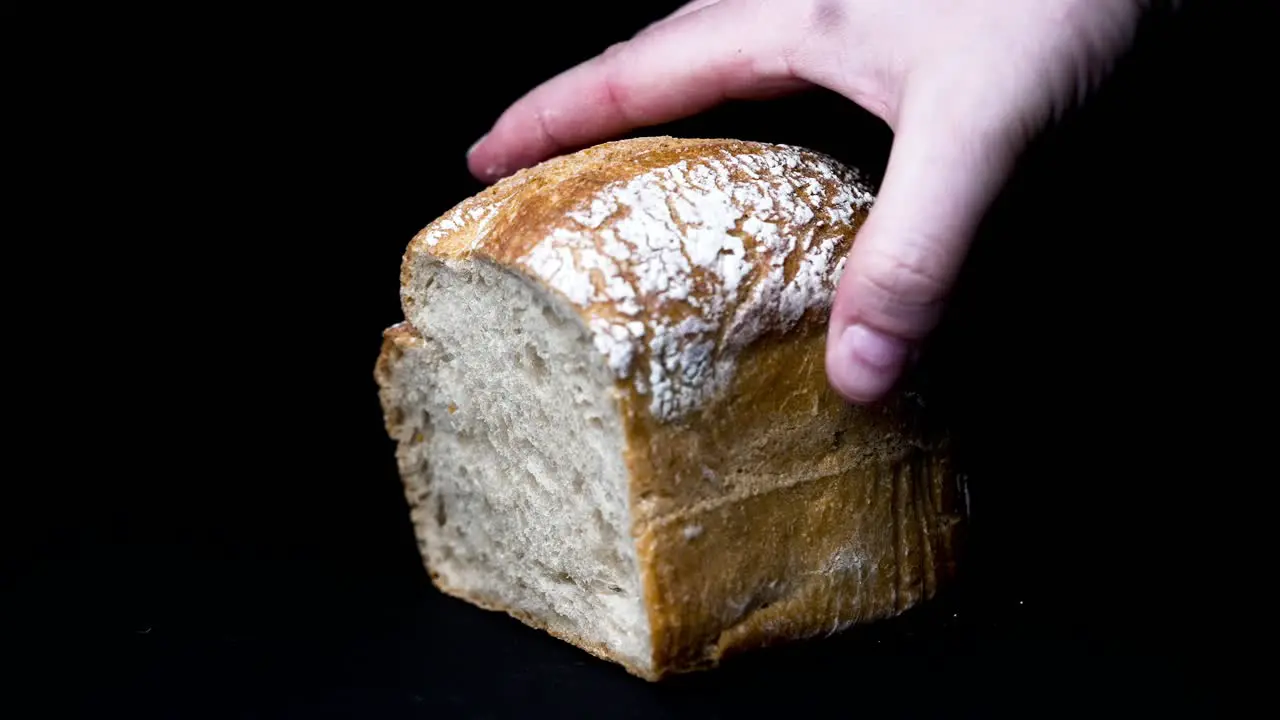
[(681, 67), (945, 168), (679, 12), (689, 7)]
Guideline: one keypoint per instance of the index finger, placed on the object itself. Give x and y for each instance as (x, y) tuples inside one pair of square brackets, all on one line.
[(674, 69)]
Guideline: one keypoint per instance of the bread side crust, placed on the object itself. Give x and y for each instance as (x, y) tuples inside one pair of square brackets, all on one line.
[(805, 515)]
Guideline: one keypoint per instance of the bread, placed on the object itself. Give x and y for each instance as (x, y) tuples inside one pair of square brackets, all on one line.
[(612, 417)]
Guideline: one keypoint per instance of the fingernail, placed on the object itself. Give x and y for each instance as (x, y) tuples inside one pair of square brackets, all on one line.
[(871, 361), (476, 144)]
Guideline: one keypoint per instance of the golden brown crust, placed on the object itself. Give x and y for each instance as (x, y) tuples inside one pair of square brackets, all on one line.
[(764, 507), (538, 195), (395, 340), (800, 515)]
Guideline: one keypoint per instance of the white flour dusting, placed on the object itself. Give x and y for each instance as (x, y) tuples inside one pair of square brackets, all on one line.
[(684, 241)]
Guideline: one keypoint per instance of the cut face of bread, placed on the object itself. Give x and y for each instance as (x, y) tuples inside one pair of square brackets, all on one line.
[(612, 416), (515, 466)]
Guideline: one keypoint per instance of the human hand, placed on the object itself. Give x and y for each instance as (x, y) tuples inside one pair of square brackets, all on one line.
[(964, 84)]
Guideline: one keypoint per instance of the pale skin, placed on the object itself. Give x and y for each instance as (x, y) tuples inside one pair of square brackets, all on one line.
[(964, 84)]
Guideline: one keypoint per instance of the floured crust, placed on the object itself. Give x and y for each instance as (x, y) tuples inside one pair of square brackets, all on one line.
[(764, 508), (679, 254)]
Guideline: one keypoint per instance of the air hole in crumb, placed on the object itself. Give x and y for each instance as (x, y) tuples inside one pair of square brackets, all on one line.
[(535, 361), (595, 423), (447, 357), (550, 315), (615, 589), (441, 515)]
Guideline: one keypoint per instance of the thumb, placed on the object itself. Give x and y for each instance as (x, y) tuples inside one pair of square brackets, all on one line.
[(943, 174)]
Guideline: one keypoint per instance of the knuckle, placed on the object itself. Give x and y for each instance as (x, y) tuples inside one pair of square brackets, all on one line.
[(544, 124), (904, 280), (617, 48), (616, 90), (826, 16)]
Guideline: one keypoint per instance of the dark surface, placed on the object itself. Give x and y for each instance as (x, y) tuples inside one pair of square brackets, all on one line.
[(205, 516)]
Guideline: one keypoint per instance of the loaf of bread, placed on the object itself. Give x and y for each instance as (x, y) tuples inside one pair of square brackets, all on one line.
[(612, 417)]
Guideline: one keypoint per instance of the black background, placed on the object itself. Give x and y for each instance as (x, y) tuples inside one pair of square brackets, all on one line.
[(205, 218)]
